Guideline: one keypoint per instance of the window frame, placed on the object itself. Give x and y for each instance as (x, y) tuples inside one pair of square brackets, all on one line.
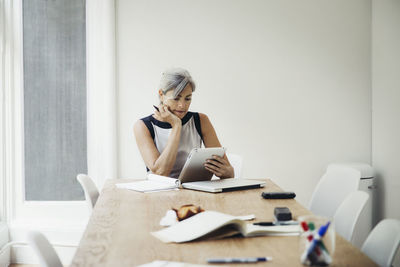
[(18, 210), (63, 222), (3, 144)]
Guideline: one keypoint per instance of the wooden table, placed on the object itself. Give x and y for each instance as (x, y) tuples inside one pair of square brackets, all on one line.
[(118, 232)]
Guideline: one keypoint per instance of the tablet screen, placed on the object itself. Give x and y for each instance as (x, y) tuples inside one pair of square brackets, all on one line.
[(194, 169)]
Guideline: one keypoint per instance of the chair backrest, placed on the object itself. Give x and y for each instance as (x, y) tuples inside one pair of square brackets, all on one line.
[(383, 242), (334, 186), (90, 189), (347, 215), (43, 249), (236, 162)]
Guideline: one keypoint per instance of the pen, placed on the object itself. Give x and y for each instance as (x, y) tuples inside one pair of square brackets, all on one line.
[(276, 223), (239, 260), (264, 223)]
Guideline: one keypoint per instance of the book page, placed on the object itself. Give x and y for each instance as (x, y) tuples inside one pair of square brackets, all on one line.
[(196, 226), (257, 230), (227, 230)]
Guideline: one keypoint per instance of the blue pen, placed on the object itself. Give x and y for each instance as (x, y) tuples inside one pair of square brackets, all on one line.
[(239, 260), (321, 232)]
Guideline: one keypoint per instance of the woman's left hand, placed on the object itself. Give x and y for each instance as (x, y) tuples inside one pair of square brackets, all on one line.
[(220, 167)]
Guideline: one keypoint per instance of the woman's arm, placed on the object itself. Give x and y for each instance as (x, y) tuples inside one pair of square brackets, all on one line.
[(220, 166), (160, 164)]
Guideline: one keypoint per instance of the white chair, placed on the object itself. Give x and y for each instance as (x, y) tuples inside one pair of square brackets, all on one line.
[(348, 213), (236, 163), (90, 189), (383, 242), (43, 249), (334, 186)]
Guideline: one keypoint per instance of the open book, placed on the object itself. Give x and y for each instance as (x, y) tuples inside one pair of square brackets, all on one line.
[(154, 183), (213, 224)]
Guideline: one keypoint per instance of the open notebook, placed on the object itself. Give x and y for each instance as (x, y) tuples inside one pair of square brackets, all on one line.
[(155, 183)]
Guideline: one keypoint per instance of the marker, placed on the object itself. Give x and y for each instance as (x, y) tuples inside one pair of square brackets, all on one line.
[(239, 260), (321, 232), (311, 226), (304, 226), (307, 231), (320, 249)]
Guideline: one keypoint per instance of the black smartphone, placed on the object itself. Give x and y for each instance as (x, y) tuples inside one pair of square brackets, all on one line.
[(156, 108), (278, 195)]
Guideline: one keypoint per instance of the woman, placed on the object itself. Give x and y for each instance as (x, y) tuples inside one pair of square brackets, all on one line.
[(166, 138)]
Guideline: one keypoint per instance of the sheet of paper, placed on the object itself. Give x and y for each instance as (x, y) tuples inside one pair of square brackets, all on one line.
[(162, 179), (154, 183)]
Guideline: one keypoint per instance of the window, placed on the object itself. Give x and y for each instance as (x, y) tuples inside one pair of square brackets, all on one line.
[(52, 70), (54, 95), (56, 56)]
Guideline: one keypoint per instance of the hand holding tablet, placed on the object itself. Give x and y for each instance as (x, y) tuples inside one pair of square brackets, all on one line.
[(194, 169)]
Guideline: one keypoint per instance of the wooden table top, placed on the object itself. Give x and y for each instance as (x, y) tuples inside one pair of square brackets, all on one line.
[(118, 232)]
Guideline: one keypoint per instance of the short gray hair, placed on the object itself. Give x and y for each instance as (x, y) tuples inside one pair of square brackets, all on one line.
[(176, 79)]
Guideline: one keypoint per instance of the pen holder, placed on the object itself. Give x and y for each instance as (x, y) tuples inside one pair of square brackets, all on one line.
[(316, 241)]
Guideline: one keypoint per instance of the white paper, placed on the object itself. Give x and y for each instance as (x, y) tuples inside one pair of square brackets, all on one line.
[(169, 219), (154, 183), (163, 179)]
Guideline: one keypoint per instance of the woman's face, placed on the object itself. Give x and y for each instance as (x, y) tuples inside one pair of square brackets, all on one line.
[(180, 104)]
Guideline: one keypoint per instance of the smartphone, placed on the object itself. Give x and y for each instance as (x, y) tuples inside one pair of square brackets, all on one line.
[(278, 195), (156, 108)]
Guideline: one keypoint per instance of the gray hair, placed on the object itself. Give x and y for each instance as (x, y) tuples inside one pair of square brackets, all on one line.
[(175, 79)]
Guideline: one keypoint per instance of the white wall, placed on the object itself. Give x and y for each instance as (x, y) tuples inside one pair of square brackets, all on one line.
[(285, 83), (386, 103)]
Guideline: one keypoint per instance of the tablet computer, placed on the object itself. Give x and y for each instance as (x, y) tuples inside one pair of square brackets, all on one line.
[(194, 169)]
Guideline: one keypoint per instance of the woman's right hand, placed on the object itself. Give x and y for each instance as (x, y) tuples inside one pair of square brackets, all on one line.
[(164, 114)]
